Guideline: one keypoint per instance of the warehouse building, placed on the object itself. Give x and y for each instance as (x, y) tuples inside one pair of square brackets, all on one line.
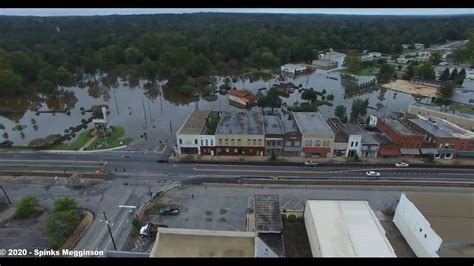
[(345, 229)]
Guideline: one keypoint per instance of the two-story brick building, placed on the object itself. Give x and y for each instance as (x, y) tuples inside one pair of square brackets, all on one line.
[(317, 137)]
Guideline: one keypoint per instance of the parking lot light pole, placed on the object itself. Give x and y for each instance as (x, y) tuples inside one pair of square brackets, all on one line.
[(110, 231)]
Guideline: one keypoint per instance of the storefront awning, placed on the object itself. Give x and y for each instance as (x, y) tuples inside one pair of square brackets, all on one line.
[(407, 151), (320, 150), (428, 151), (389, 151)]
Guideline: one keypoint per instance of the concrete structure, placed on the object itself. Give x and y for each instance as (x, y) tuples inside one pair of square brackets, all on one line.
[(240, 133), (427, 110), (102, 125), (173, 242), (330, 60), (400, 133), (293, 68), (465, 94), (437, 224), (291, 136), (193, 137), (242, 98), (370, 56), (345, 229), (273, 135), (317, 137), (267, 214)]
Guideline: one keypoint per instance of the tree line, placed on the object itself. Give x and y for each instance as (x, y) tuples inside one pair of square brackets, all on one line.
[(45, 54)]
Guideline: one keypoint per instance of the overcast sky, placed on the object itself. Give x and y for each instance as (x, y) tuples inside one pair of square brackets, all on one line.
[(129, 11)]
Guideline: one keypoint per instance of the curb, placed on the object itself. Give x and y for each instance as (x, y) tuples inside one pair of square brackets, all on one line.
[(66, 151)]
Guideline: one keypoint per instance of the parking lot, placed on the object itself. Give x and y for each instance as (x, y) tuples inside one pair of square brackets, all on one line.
[(217, 207)]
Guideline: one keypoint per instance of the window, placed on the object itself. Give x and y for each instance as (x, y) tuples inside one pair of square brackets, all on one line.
[(232, 142), (297, 144), (352, 144), (357, 144), (180, 141), (195, 141), (318, 143), (259, 142), (227, 150), (326, 143), (278, 143), (268, 143), (239, 142), (248, 142), (202, 143), (273, 143), (421, 230), (309, 142), (220, 141), (212, 142), (226, 142), (254, 142), (288, 143), (425, 235), (207, 142), (235, 150)]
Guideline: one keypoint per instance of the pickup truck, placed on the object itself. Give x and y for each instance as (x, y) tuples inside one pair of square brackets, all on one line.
[(150, 229)]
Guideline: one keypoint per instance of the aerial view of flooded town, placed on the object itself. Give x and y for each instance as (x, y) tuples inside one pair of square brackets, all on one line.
[(227, 133)]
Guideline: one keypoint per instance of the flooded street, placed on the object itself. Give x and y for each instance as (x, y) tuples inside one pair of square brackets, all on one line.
[(155, 110)]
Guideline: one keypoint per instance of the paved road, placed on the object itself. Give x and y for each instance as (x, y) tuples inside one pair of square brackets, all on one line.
[(142, 174)]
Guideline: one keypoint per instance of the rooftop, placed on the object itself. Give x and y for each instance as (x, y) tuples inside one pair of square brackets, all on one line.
[(267, 214), (332, 56), (433, 128), (195, 123), (399, 127), (288, 125), (372, 137), (294, 66), (451, 215), (240, 123), (442, 110), (272, 125), (339, 130), (348, 229), (172, 242), (312, 123)]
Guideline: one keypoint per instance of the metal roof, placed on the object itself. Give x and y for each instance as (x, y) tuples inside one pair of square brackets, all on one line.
[(267, 214), (195, 123), (272, 125), (312, 123), (240, 123)]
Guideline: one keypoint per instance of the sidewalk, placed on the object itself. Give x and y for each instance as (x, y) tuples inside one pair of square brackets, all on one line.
[(280, 159)]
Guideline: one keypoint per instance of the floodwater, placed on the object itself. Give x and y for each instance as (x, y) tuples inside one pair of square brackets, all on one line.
[(160, 112)]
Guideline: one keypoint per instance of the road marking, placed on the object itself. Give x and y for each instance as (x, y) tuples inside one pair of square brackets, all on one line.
[(276, 171), (46, 161)]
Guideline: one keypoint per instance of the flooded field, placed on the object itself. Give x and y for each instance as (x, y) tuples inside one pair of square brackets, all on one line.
[(160, 112)]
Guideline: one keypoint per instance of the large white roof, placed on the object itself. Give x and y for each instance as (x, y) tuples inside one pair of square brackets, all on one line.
[(348, 229)]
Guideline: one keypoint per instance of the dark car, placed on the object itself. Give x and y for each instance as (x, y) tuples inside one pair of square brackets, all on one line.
[(162, 161)]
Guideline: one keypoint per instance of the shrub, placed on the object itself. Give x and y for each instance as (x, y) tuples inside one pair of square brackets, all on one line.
[(62, 221), (65, 204), (273, 157), (284, 217), (28, 207), (292, 218)]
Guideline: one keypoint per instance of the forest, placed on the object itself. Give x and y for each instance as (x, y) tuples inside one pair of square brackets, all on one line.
[(45, 54)]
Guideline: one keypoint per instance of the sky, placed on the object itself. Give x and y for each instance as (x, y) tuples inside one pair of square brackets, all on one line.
[(130, 11)]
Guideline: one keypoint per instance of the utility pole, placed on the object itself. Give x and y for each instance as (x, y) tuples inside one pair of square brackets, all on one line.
[(144, 113), (110, 231), (9, 201), (116, 103), (171, 130)]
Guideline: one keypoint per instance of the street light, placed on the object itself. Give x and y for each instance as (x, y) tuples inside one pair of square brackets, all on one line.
[(110, 231)]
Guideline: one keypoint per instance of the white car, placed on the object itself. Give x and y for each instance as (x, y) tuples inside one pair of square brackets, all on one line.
[(310, 163), (372, 173), (402, 164)]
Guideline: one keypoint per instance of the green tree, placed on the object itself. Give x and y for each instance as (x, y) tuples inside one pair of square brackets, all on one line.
[(341, 113), (386, 73), (60, 226), (426, 71), (454, 74), (445, 75), (399, 67), (10, 82), (436, 58), (446, 91), (273, 99), (65, 204), (309, 95), (2, 126), (359, 109), (353, 64), (133, 56), (28, 207), (409, 74)]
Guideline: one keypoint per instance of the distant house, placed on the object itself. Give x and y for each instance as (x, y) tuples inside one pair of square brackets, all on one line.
[(242, 98), (405, 46), (370, 56), (293, 69), (419, 46), (330, 60)]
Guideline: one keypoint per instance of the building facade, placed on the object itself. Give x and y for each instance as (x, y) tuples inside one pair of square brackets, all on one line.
[(317, 137), (400, 133), (291, 136), (193, 136), (273, 135), (461, 119)]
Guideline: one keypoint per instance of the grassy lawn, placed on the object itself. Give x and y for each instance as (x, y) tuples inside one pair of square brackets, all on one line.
[(116, 139), (462, 108), (369, 71), (82, 139)]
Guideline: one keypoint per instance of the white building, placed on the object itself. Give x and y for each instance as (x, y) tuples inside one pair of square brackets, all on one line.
[(292, 68), (371, 56), (419, 46), (192, 137), (437, 224), (330, 60), (345, 229)]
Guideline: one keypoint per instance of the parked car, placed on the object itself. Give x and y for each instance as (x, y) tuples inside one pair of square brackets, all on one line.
[(162, 161), (310, 163), (169, 211), (372, 173), (402, 164)]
